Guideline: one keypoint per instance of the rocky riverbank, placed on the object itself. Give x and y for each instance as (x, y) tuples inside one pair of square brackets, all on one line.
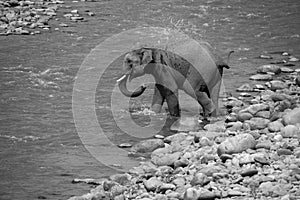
[(253, 153)]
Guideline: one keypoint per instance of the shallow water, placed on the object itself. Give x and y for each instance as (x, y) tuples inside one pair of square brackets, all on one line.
[(40, 149)]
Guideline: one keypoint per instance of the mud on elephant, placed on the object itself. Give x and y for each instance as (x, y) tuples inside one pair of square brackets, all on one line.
[(171, 73)]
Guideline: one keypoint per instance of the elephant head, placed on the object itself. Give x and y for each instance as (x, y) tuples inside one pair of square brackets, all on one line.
[(134, 65)]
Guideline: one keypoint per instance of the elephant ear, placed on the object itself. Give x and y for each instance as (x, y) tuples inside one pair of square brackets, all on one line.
[(146, 56)]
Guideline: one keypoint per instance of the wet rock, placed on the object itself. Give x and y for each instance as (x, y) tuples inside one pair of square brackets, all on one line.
[(253, 109), (243, 116), (147, 145), (290, 131), (257, 123), (269, 68), (275, 126), (292, 117), (125, 145), (261, 77), (245, 88), (152, 184), (263, 114), (237, 144), (297, 81)]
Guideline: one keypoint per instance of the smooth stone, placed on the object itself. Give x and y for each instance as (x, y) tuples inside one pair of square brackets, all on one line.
[(244, 94), (245, 88), (292, 117), (225, 157), (122, 179), (245, 158), (264, 144), (261, 160), (234, 126), (166, 186), (157, 136), (293, 59), (125, 145), (277, 85), (261, 77), (290, 131), (253, 109), (243, 116), (257, 123), (269, 68), (147, 145), (263, 114), (191, 194), (178, 137), (249, 172), (275, 126), (236, 144), (74, 11), (152, 184), (278, 138), (286, 70), (265, 57), (215, 127), (282, 151)]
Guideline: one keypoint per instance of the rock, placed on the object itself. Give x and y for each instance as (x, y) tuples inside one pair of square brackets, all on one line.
[(166, 186), (186, 124), (249, 172), (234, 126), (283, 151), (125, 145), (290, 131), (191, 194), (264, 144), (278, 138), (263, 114), (253, 109), (261, 77), (257, 123), (277, 85), (225, 157), (245, 88), (245, 158), (297, 81), (149, 145), (269, 68), (245, 94), (200, 179), (163, 156), (206, 194), (293, 59), (122, 179), (265, 57), (215, 127), (243, 116), (261, 160), (286, 70), (275, 126), (178, 137), (236, 144), (74, 11), (292, 117), (152, 184)]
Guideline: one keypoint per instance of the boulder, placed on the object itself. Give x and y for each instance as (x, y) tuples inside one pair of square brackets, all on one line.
[(269, 68), (236, 144), (146, 146), (292, 117), (163, 157)]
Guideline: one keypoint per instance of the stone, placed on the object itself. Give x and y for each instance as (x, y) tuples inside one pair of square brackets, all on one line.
[(253, 109), (215, 127), (245, 94), (277, 85), (163, 156), (245, 158), (249, 172), (149, 145), (234, 126), (286, 70), (152, 184), (297, 81), (122, 179), (290, 131), (191, 194), (125, 145), (166, 186), (243, 116), (293, 59), (245, 88), (261, 160), (264, 144), (200, 179), (283, 151), (265, 57), (206, 194), (275, 126), (261, 77), (263, 114), (278, 138), (292, 117), (269, 68), (236, 144), (257, 123)]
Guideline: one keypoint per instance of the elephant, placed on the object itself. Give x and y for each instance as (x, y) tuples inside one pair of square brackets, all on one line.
[(172, 72)]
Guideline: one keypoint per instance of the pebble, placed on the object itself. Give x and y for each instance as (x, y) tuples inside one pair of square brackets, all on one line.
[(269, 68), (286, 70), (261, 77), (149, 145), (245, 88)]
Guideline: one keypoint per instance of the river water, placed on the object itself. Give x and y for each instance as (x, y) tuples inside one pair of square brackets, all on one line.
[(40, 149)]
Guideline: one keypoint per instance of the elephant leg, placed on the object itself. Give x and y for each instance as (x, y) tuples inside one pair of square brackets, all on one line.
[(172, 100), (206, 103), (157, 100)]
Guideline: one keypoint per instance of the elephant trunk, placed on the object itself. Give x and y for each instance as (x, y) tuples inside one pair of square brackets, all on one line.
[(122, 82)]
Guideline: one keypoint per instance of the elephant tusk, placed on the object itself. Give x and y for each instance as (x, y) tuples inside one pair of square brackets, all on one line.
[(120, 79)]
